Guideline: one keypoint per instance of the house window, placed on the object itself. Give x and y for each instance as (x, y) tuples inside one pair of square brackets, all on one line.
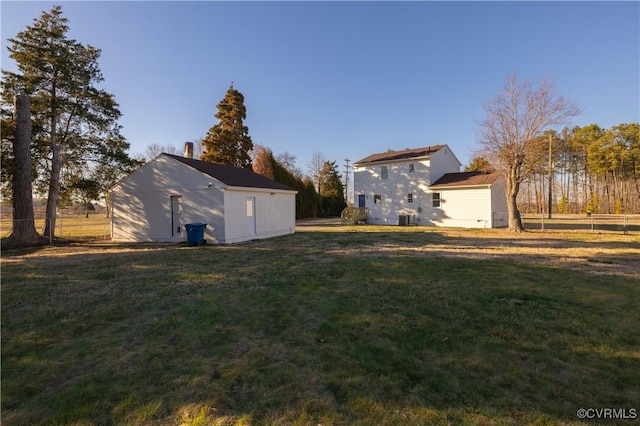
[(384, 172), (409, 198), (377, 199), (435, 197), (411, 168)]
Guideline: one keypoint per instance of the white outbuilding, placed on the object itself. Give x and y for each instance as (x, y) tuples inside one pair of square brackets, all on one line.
[(154, 203), (471, 200)]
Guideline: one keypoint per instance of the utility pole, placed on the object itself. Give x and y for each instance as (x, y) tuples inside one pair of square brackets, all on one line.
[(550, 177), (346, 180)]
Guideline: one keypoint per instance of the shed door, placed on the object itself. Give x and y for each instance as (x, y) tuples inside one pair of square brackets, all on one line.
[(251, 215), (175, 215)]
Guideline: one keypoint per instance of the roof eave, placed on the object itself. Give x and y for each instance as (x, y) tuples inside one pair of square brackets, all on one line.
[(477, 186), (367, 163), (255, 189)]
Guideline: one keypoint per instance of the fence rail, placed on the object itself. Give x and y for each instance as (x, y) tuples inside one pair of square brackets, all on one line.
[(594, 222)]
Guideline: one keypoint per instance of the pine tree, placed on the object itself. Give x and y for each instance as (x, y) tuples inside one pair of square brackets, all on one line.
[(332, 190), (479, 164), (228, 142), (74, 122)]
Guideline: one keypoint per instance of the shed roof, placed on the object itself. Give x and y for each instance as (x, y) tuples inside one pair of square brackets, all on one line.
[(452, 180), (232, 176), (401, 155)]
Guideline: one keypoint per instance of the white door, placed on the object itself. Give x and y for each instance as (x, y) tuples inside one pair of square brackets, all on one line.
[(251, 215), (176, 222)]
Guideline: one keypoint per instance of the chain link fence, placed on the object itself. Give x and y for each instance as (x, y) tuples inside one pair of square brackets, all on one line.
[(624, 223), (68, 226)]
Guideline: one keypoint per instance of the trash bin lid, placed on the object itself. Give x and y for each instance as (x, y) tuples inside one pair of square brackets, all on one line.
[(194, 225)]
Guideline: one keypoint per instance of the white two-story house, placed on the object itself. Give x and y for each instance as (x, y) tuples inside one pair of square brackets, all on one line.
[(424, 186)]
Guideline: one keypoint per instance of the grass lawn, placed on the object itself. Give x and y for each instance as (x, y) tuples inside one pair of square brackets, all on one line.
[(332, 325)]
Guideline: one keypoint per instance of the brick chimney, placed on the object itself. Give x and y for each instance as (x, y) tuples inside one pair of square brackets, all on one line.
[(188, 149)]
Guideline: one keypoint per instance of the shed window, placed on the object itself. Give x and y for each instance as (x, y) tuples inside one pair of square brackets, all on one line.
[(377, 199), (412, 168), (250, 206), (384, 172), (409, 198), (435, 197)]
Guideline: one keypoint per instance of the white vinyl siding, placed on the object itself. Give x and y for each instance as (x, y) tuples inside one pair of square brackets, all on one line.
[(142, 207), (466, 208), (393, 185)]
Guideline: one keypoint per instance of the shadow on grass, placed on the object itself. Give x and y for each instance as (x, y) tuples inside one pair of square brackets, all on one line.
[(304, 329)]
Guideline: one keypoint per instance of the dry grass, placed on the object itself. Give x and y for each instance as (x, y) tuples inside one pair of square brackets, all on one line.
[(331, 325)]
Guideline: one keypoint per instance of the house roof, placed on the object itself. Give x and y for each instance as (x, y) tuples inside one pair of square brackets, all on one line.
[(400, 155), (232, 176), (464, 179)]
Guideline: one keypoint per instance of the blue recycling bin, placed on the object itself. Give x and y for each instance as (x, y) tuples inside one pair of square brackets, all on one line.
[(195, 233)]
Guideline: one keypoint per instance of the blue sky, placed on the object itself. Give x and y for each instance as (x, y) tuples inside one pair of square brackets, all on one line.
[(348, 79)]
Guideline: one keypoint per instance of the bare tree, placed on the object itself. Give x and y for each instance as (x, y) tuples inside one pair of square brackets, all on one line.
[(316, 164), (288, 160), (155, 149), (262, 161), (515, 118), (198, 149)]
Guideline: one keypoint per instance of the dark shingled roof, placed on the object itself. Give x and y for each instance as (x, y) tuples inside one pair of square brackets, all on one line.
[(401, 155), (465, 179), (232, 176)]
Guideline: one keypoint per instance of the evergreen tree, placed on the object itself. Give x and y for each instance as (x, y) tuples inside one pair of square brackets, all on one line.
[(479, 164), (74, 122), (228, 142), (307, 199), (331, 190)]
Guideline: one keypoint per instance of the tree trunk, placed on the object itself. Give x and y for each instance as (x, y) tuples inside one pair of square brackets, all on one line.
[(515, 221), (54, 180), (24, 230)]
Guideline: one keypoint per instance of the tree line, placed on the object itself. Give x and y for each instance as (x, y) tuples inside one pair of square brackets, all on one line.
[(592, 170)]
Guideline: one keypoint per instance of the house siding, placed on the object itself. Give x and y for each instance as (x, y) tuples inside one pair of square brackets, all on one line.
[(400, 182), (443, 161), (465, 208)]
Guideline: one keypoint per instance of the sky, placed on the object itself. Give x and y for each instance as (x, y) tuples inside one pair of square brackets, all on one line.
[(347, 79)]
